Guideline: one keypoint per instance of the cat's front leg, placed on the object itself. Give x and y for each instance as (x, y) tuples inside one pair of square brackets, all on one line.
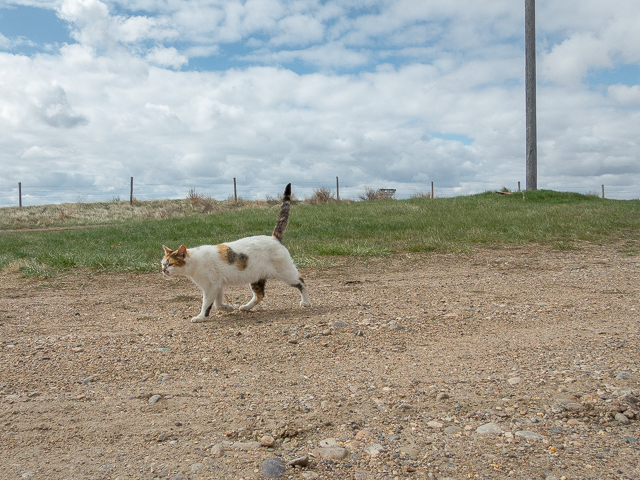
[(207, 303), (219, 302)]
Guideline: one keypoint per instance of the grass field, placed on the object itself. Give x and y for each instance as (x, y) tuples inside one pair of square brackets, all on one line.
[(120, 237)]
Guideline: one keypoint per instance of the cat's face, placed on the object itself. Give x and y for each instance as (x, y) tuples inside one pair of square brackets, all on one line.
[(174, 260)]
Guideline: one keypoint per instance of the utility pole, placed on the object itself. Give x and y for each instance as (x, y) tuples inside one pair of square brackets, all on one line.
[(530, 87)]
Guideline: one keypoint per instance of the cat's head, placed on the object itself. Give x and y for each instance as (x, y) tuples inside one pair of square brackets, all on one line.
[(174, 261)]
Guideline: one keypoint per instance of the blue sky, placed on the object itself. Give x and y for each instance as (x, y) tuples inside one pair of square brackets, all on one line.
[(380, 93)]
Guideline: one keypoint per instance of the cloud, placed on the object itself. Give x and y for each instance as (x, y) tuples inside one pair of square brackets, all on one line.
[(394, 94), (166, 57)]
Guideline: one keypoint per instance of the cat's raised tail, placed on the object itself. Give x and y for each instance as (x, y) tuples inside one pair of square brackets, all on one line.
[(283, 218)]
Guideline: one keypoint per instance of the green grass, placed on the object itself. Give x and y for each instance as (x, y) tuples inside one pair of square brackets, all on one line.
[(316, 233)]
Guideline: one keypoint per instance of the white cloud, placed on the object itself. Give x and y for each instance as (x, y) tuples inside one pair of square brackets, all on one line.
[(625, 95), (166, 57), (408, 93)]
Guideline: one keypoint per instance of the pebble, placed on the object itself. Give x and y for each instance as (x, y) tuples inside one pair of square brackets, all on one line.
[(374, 449), (530, 435), (217, 450), (196, 467), (434, 424), (622, 418), (155, 398), (453, 430), (338, 325), (329, 443), (302, 462), (267, 441), (273, 468), (442, 396), (489, 429), (163, 350), (364, 433), (412, 452), (87, 380), (331, 453), (514, 380), (293, 341)]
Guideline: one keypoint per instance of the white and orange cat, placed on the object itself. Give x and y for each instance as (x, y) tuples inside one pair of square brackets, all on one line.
[(250, 260)]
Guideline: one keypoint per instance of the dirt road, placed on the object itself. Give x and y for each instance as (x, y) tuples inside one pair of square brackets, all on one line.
[(509, 363)]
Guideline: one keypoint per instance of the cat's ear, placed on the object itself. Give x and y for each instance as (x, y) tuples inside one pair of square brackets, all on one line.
[(167, 250), (182, 251)]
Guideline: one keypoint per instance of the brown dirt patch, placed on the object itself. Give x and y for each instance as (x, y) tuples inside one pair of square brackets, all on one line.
[(411, 354)]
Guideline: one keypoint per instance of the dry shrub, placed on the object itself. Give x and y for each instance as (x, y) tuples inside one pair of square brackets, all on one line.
[(205, 202), (372, 194), (421, 195), (321, 195)]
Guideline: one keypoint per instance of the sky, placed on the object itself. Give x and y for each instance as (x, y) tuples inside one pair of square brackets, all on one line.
[(192, 94)]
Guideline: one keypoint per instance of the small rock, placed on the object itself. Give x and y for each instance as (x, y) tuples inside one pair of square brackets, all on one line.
[(162, 437), (310, 475), (87, 380), (412, 452), (514, 380), (302, 462), (364, 433), (273, 468), (326, 332), (293, 341), (196, 467), (267, 441), (155, 398), (329, 442), (374, 449), (77, 349), (453, 430), (622, 418), (362, 475), (442, 396), (338, 325), (33, 394), (331, 453), (163, 350), (530, 435), (489, 429), (217, 450), (246, 446), (434, 424)]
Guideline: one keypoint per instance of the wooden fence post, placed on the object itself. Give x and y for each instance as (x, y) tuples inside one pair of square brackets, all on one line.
[(131, 193), (235, 190), (431, 190), (602, 191), (20, 193), (337, 190), (518, 186)]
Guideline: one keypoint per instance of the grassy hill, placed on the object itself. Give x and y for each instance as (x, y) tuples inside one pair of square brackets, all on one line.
[(115, 236)]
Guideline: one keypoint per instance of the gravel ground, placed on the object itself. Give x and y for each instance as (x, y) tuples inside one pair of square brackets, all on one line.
[(508, 363)]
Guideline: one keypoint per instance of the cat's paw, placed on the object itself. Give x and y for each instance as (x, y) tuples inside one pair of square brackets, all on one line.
[(305, 304), (198, 319)]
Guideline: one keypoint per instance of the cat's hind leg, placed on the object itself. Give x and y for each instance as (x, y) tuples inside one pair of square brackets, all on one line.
[(258, 294), (304, 295), (293, 278), (219, 302)]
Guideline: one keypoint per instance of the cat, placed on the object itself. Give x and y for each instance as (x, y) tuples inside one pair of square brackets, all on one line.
[(250, 260)]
